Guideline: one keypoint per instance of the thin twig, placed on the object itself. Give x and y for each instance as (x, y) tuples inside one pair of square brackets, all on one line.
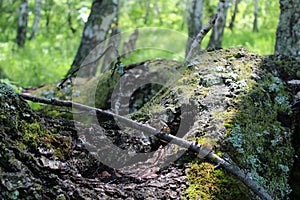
[(200, 37), (202, 151)]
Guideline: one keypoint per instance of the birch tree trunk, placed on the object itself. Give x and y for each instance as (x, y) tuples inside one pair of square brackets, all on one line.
[(216, 37), (288, 30), (194, 22), (37, 18), (96, 29), (22, 23), (255, 26)]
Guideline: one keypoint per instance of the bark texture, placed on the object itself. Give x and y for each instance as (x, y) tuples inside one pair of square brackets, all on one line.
[(216, 37), (194, 22), (103, 12), (288, 30), (22, 23)]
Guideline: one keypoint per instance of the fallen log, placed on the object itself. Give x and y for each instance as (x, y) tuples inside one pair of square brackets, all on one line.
[(202, 151)]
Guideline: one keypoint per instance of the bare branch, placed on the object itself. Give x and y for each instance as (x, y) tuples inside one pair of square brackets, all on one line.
[(200, 37), (202, 151)]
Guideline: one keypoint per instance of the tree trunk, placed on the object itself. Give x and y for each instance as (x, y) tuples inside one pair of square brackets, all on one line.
[(255, 26), (194, 22), (216, 37), (236, 6), (48, 10), (22, 23), (37, 18), (288, 30), (103, 12)]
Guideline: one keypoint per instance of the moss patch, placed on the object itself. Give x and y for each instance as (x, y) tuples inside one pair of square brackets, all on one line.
[(260, 138), (209, 184), (256, 120)]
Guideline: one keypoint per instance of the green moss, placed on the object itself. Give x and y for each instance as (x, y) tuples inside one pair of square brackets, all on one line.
[(259, 138), (104, 90), (298, 74), (207, 183), (30, 135), (258, 141), (34, 135)]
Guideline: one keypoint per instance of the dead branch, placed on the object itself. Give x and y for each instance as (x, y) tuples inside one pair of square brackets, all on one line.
[(200, 37), (202, 151)]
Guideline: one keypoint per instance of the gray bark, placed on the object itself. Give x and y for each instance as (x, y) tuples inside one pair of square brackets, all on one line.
[(216, 37), (37, 18), (96, 29), (194, 22), (255, 23), (288, 30), (22, 23)]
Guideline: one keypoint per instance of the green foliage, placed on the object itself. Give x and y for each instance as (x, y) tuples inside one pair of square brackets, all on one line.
[(46, 58), (34, 135), (42, 61)]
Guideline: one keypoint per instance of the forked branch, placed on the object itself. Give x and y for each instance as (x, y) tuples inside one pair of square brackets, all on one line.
[(200, 37)]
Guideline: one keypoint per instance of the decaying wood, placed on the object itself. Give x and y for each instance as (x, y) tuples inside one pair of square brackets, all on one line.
[(200, 37), (202, 151)]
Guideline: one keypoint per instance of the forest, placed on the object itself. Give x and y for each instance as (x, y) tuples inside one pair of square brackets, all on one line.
[(144, 99)]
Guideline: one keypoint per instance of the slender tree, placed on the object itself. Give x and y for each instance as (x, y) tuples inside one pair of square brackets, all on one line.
[(22, 23), (194, 22), (288, 30), (235, 11), (70, 17), (216, 37), (48, 10), (255, 23), (37, 18), (103, 13)]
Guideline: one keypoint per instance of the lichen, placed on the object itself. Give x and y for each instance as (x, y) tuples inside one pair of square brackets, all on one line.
[(258, 137), (259, 142)]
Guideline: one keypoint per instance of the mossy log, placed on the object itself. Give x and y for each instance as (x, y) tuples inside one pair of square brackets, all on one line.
[(234, 101)]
